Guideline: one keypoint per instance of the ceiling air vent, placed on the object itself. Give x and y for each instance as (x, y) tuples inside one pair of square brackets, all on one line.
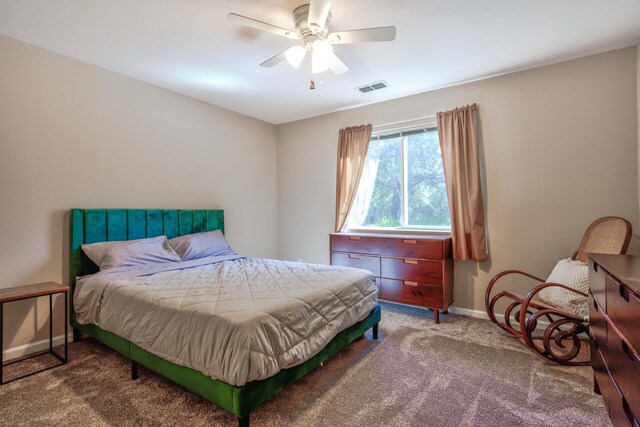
[(373, 86)]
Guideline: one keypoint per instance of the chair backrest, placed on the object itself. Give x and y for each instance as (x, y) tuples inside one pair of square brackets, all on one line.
[(608, 235)]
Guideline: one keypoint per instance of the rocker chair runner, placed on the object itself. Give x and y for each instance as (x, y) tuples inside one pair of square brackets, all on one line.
[(560, 340)]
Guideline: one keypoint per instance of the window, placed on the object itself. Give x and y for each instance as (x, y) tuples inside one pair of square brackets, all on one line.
[(402, 184)]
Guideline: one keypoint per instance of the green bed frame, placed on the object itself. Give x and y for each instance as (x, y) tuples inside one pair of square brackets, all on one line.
[(100, 225)]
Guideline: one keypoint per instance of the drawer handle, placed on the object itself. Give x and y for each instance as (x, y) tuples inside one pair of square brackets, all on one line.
[(627, 349), (354, 256), (354, 237), (624, 292), (627, 411), (410, 283), (410, 261), (409, 241)]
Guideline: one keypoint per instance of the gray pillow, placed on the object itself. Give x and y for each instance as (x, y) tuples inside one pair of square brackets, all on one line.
[(200, 245), (129, 253)]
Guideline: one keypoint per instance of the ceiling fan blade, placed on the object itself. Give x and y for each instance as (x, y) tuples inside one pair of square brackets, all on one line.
[(318, 13), (254, 23), (274, 60), (335, 64), (365, 35)]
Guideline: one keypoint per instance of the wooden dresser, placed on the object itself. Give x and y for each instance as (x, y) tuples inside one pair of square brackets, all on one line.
[(614, 311), (415, 270)]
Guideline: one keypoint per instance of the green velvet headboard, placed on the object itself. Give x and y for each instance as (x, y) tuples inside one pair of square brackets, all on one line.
[(101, 225)]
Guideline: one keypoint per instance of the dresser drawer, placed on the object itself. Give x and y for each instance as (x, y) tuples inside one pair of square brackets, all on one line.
[(366, 262), (411, 292), (619, 410), (601, 375), (412, 269), (624, 366), (597, 321), (355, 244), (412, 248), (594, 350), (623, 308), (597, 283)]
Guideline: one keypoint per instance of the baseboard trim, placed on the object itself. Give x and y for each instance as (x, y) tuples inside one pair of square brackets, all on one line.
[(34, 347), (480, 314)]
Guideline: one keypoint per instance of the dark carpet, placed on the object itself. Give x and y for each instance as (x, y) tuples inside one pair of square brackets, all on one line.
[(462, 372)]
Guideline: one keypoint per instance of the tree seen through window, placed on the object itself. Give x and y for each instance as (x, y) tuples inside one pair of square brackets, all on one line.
[(402, 184)]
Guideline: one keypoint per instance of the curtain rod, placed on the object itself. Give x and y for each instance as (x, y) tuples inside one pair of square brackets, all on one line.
[(404, 121)]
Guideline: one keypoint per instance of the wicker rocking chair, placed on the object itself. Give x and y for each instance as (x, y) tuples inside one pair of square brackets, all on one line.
[(560, 341)]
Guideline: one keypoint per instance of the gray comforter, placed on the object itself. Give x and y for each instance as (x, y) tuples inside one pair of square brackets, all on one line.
[(236, 320)]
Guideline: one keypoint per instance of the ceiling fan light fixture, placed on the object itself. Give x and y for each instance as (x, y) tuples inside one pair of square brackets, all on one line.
[(322, 47), (318, 64), (320, 51), (295, 55)]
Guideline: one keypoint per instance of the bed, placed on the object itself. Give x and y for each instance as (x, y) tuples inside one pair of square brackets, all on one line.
[(239, 390)]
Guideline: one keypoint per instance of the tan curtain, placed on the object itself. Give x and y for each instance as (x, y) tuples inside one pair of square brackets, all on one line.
[(353, 144), (458, 132)]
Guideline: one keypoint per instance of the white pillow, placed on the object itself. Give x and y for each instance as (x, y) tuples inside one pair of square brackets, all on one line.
[(574, 274), (129, 253)]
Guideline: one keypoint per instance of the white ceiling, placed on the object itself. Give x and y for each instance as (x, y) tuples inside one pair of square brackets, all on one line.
[(191, 48)]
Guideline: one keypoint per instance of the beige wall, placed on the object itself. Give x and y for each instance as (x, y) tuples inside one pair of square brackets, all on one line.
[(74, 135), (559, 149)]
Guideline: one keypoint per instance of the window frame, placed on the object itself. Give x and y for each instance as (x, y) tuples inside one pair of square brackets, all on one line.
[(404, 132)]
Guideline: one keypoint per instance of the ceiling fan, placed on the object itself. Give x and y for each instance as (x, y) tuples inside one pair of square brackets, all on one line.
[(312, 29)]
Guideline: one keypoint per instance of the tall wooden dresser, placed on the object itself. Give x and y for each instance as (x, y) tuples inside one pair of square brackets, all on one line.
[(414, 270), (614, 312)]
